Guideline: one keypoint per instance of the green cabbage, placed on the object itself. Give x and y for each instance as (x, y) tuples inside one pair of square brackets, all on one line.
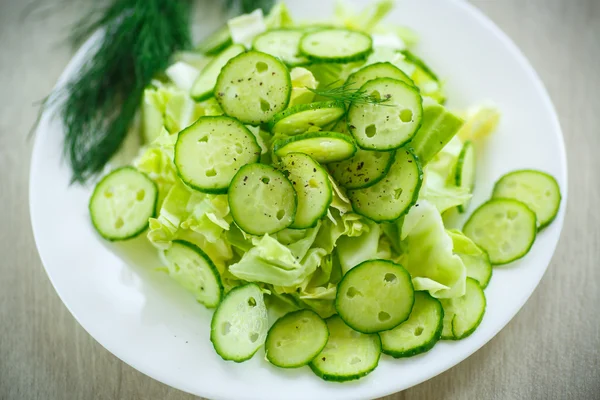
[(302, 80), (271, 262), (200, 218), (427, 253), (246, 27)]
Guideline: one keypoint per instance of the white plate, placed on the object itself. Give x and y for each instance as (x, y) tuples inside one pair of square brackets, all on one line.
[(145, 320)]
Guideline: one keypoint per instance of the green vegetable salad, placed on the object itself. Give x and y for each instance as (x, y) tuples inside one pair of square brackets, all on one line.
[(299, 178)]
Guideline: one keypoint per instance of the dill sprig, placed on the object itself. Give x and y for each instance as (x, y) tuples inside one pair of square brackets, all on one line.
[(346, 94), (98, 105)]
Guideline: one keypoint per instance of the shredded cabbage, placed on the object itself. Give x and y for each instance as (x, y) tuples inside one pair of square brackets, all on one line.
[(427, 253), (246, 27)]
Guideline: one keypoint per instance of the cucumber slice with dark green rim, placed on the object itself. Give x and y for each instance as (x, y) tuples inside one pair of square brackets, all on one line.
[(189, 266), (239, 325), (538, 190), (215, 42), (122, 203), (283, 44), (296, 339), (374, 71), (364, 169), (312, 186), (504, 228), (427, 81), (375, 296), (389, 125), (419, 333), (204, 85), (210, 152), (465, 171), (438, 127), (262, 200), (324, 147), (348, 354), (253, 87), (413, 59), (336, 45), (302, 117), (476, 260), (462, 315), (341, 126), (392, 196)]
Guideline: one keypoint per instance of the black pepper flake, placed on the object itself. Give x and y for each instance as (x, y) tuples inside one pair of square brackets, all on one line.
[(410, 161), (314, 170), (245, 178)]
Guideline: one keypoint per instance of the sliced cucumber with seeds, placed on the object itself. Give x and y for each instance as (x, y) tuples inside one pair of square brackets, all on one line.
[(476, 260), (324, 147), (215, 42), (210, 152), (464, 176), (296, 339), (262, 200), (462, 315), (189, 266), (392, 196), (374, 71), (538, 190), (336, 45), (205, 83), (253, 87), (438, 128), (424, 77), (388, 125), (375, 296), (312, 186), (283, 44), (504, 228), (419, 333), (239, 325), (348, 354), (122, 203), (302, 117), (364, 169)]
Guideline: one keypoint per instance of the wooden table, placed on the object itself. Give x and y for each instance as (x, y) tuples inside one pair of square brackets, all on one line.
[(551, 350)]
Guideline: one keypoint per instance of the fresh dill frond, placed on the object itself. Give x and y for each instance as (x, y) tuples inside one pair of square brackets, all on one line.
[(99, 104), (346, 94)]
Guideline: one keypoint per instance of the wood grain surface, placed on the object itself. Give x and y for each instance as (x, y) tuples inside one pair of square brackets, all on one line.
[(550, 350)]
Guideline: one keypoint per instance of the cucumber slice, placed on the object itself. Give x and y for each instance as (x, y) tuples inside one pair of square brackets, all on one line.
[(122, 203), (363, 170), (190, 267), (462, 315), (424, 77), (419, 333), (296, 339), (262, 200), (215, 42), (476, 260), (538, 190), (253, 87), (239, 325), (324, 147), (438, 128), (210, 152), (348, 354), (392, 196), (336, 45), (283, 44), (204, 85), (375, 296), (312, 186), (302, 117), (464, 176), (504, 228), (374, 71), (389, 125)]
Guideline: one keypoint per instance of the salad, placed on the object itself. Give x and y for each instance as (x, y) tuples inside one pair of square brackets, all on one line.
[(301, 179)]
